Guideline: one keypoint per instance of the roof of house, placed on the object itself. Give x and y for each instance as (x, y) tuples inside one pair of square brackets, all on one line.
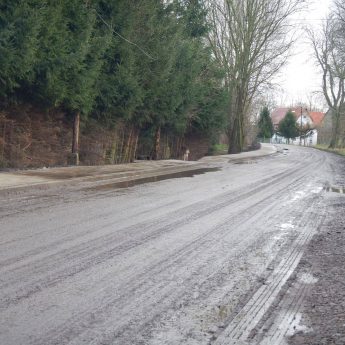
[(317, 117), (279, 113)]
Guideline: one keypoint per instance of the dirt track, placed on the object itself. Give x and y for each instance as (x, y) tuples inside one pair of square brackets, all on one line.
[(199, 260)]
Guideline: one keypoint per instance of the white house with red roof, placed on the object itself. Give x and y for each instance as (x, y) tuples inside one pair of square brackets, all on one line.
[(310, 121)]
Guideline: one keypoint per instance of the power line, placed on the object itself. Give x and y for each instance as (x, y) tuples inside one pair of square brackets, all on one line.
[(124, 38)]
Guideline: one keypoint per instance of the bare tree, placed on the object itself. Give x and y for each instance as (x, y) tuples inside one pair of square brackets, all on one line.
[(250, 40), (340, 29), (327, 46)]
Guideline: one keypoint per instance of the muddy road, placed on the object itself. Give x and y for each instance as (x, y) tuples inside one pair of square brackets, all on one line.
[(190, 260)]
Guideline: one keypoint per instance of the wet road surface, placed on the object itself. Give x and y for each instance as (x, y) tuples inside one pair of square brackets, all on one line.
[(191, 260)]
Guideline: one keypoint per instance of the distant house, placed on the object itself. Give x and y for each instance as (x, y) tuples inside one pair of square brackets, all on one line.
[(305, 119)]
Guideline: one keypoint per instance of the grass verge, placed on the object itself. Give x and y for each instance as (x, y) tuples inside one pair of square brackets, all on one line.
[(339, 151)]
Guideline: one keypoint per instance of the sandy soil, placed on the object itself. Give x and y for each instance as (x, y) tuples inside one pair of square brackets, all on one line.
[(195, 260)]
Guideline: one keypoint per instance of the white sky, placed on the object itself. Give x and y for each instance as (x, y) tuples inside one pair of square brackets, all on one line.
[(301, 78)]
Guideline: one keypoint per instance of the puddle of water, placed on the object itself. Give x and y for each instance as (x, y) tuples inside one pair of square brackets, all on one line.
[(287, 226), (334, 189), (244, 162), (296, 325), (131, 183), (308, 278), (317, 190), (300, 194)]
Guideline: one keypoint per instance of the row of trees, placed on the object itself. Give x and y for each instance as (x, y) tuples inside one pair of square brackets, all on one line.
[(287, 128), (329, 50), (140, 62), (152, 64)]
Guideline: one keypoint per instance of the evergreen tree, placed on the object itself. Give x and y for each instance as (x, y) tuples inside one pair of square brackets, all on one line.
[(288, 127), (175, 83), (121, 82), (142, 62), (70, 56), (20, 22), (265, 124)]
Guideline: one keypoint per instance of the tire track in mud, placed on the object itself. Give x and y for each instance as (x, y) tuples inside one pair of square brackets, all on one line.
[(288, 321), (92, 316), (216, 276), (254, 310), (227, 340), (185, 210), (69, 329), (88, 228), (201, 206), (81, 251), (67, 332), (235, 196)]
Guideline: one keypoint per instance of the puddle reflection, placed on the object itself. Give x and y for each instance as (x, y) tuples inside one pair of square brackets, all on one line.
[(333, 189), (131, 183)]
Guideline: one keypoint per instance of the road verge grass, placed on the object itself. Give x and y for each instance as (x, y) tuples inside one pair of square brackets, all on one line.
[(339, 151)]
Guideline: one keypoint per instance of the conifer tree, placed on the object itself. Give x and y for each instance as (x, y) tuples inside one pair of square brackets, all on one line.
[(70, 56), (288, 127), (145, 63), (19, 25), (265, 124)]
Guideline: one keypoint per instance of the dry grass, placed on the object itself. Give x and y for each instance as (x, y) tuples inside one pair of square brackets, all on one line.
[(339, 151)]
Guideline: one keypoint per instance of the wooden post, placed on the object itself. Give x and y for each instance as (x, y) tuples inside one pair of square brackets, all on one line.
[(75, 140)]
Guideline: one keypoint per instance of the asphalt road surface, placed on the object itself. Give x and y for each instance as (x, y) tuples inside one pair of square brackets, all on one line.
[(190, 260)]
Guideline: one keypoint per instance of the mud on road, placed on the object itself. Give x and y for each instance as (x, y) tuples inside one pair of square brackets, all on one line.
[(320, 275), (209, 259)]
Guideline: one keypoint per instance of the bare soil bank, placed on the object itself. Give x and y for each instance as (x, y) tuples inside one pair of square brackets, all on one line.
[(31, 137)]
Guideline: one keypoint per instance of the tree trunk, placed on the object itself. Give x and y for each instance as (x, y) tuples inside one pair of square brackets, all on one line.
[(121, 152), (75, 139), (335, 129), (3, 142), (11, 140), (136, 144), (236, 137), (157, 143), (113, 149), (236, 132), (128, 146)]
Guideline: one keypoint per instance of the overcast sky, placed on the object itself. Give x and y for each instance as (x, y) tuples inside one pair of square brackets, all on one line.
[(301, 77)]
